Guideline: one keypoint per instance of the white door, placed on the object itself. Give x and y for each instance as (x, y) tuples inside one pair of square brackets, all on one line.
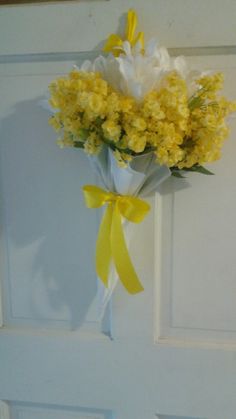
[(167, 353)]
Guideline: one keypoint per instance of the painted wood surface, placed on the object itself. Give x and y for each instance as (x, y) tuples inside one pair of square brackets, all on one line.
[(168, 353)]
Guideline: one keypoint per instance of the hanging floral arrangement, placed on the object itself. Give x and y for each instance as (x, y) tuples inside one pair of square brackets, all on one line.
[(141, 117)]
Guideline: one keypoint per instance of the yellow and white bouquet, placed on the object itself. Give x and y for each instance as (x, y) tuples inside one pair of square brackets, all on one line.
[(141, 116)]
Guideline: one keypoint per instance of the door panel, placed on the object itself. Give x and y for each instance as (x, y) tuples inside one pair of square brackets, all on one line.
[(49, 236), (196, 243)]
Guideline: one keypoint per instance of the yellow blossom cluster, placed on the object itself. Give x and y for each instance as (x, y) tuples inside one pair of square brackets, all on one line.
[(207, 128), (181, 131)]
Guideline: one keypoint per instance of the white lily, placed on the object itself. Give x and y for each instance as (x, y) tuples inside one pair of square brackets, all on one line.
[(135, 73)]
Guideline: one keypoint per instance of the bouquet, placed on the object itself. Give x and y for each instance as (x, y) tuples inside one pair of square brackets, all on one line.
[(141, 117)]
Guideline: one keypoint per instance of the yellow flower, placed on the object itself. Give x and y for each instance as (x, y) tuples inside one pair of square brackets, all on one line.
[(127, 104), (66, 141), (212, 83), (111, 130), (182, 132), (139, 123), (136, 142), (152, 108), (55, 122), (96, 103), (93, 144), (113, 103), (122, 158), (100, 86)]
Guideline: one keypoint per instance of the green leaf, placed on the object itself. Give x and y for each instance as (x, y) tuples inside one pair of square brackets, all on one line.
[(199, 169), (178, 175), (99, 121), (195, 103), (148, 149), (83, 133), (78, 144), (203, 170)]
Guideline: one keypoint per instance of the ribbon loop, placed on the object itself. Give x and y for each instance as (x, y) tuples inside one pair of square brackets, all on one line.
[(111, 241)]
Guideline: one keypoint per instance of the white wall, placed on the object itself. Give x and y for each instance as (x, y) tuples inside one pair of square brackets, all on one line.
[(85, 19)]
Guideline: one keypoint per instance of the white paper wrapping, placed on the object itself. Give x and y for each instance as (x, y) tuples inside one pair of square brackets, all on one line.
[(141, 177)]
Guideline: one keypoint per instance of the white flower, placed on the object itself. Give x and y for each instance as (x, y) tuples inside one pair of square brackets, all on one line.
[(135, 73)]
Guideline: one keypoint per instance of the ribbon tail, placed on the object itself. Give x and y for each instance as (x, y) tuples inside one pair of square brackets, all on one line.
[(121, 256), (103, 246)]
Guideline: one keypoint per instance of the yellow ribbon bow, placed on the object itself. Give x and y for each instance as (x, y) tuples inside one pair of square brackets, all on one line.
[(114, 42), (111, 242)]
